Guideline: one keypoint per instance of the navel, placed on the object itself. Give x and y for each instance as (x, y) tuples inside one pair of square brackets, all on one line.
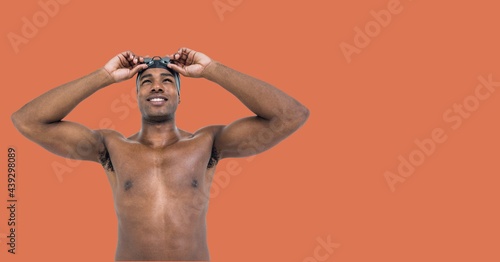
[(194, 183), (128, 185)]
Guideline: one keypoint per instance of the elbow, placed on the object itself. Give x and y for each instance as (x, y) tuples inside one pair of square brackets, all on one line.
[(15, 118), (304, 114), (19, 123), (301, 115), (296, 118)]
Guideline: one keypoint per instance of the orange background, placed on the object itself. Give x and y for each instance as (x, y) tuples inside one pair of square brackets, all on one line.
[(325, 180)]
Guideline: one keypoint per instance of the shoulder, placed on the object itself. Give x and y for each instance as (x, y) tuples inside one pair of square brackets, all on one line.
[(108, 136), (211, 131), (109, 133)]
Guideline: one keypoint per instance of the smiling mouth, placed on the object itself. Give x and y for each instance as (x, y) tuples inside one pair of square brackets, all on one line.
[(157, 99)]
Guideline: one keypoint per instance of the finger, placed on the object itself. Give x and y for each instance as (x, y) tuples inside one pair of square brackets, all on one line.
[(137, 69), (185, 57), (184, 50), (181, 59), (178, 62), (134, 59), (178, 69), (137, 59), (123, 61), (128, 55), (125, 54), (132, 55), (177, 56), (127, 62), (190, 57)]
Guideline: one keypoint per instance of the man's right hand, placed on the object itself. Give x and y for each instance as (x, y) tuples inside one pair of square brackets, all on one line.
[(124, 66)]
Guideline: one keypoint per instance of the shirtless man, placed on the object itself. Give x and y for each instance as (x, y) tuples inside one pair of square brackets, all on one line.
[(161, 176)]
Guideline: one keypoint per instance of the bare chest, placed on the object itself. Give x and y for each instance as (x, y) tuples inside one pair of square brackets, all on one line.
[(144, 174)]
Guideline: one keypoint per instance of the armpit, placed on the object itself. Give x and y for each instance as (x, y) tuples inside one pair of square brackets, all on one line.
[(214, 158), (105, 160)]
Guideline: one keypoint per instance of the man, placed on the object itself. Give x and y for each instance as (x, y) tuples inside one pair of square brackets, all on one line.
[(161, 176)]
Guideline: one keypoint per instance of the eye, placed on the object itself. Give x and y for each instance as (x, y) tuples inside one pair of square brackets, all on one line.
[(145, 81), (167, 80)]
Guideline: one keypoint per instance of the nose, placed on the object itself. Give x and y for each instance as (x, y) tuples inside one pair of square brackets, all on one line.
[(156, 88)]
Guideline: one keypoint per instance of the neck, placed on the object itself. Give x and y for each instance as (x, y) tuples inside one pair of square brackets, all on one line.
[(158, 134)]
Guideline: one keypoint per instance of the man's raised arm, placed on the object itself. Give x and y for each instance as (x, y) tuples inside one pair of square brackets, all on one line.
[(41, 119), (277, 114)]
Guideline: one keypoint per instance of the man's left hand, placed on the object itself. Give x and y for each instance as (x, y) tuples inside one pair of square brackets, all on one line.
[(189, 63)]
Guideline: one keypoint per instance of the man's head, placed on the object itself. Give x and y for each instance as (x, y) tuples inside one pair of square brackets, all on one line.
[(158, 90)]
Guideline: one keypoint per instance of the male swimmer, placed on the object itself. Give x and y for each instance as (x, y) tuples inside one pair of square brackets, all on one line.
[(161, 176)]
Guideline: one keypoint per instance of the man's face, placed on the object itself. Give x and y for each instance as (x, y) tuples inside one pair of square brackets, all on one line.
[(157, 96)]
